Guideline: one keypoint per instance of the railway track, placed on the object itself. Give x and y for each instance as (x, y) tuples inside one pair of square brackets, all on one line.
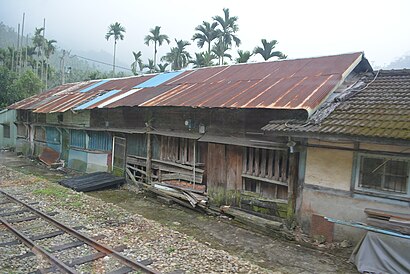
[(17, 217)]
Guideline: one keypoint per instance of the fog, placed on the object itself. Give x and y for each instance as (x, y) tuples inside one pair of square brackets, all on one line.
[(303, 28)]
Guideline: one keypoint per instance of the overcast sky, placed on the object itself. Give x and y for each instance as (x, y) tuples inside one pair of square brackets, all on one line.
[(303, 28)]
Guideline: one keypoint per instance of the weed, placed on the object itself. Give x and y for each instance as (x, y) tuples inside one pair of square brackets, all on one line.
[(55, 191), (170, 250)]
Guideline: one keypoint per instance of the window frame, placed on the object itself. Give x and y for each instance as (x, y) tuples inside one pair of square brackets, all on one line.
[(377, 192), (8, 126)]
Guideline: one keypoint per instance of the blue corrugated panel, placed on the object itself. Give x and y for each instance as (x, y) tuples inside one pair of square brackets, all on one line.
[(100, 141), (158, 79), (77, 138), (94, 85), (53, 138), (97, 99)]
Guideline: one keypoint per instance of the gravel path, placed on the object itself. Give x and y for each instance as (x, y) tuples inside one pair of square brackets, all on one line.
[(145, 239)]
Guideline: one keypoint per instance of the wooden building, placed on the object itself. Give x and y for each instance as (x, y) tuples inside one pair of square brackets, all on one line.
[(355, 154), (196, 129)]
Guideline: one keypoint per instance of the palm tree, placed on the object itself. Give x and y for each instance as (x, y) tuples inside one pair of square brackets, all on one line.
[(48, 50), (220, 50), (152, 68), (38, 42), (206, 34), (266, 51), (228, 29), (178, 56), (156, 38), (117, 31), (243, 56), (203, 59), (137, 63), (162, 67)]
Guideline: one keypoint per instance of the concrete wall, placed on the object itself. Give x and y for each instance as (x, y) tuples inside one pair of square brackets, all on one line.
[(88, 161), (327, 188), (329, 168), (8, 117)]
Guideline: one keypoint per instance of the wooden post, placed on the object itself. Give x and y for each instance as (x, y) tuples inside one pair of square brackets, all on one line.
[(292, 182), (149, 154)]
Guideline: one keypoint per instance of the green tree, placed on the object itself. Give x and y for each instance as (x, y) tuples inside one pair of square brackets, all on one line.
[(220, 49), (157, 38), (162, 67), (206, 34), (243, 56), (266, 51), (152, 68), (14, 88), (228, 28), (204, 59), (48, 51), (137, 64), (117, 31), (178, 56)]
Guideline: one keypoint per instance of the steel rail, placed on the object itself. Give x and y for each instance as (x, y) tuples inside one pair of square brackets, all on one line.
[(98, 246), (35, 248)]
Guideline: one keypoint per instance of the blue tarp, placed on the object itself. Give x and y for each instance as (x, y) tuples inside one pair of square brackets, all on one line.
[(97, 99), (95, 85), (158, 79)]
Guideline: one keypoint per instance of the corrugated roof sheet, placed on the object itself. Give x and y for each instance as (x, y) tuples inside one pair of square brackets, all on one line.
[(381, 110), (286, 84), (158, 79)]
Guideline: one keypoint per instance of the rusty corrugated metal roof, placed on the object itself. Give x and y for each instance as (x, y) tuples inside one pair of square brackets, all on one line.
[(380, 110), (286, 84)]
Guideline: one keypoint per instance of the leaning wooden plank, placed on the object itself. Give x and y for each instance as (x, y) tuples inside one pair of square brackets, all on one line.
[(182, 188), (384, 213), (256, 222), (404, 229)]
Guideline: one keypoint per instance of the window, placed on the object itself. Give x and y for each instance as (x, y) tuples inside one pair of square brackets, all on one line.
[(39, 134), (52, 135), (77, 138), (266, 172), (21, 130), (179, 150), (6, 130), (383, 174), (99, 140)]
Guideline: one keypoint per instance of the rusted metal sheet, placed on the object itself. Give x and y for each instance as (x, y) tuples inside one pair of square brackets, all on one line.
[(293, 84), (141, 96), (49, 156), (380, 110), (286, 84)]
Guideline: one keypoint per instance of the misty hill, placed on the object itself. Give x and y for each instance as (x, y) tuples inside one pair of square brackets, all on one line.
[(400, 63), (79, 60)]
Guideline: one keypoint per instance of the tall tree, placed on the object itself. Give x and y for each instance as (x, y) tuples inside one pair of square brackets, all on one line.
[(152, 68), (207, 32), (48, 51), (266, 51), (162, 67), (157, 38), (178, 56), (243, 56), (38, 42), (137, 63), (203, 59), (117, 31), (220, 50), (229, 27)]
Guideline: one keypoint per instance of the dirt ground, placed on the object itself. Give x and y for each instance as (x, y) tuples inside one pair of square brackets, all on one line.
[(275, 254)]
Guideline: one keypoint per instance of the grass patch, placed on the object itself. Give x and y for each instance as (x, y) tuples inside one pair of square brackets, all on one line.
[(170, 250), (58, 192)]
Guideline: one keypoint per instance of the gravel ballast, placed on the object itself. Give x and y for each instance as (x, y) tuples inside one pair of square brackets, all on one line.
[(145, 239)]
